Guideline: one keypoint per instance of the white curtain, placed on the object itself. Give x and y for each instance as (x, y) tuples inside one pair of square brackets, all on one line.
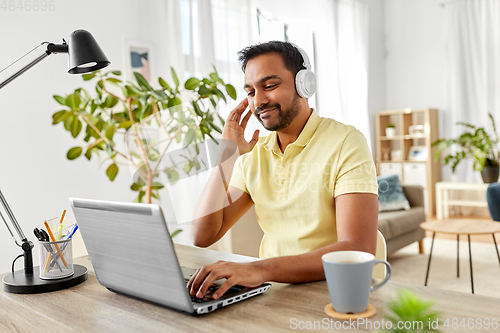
[(473, 54), (203, 34), (349, 96)]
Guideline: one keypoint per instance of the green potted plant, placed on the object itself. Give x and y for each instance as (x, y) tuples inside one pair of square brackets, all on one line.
[(390, 130), (412, 314), (474, 143), (118, 119)]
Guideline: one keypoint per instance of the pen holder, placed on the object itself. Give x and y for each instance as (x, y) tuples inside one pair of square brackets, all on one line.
[(56, 259)]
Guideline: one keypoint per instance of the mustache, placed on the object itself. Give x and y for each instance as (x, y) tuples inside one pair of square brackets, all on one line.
[(259, 110)]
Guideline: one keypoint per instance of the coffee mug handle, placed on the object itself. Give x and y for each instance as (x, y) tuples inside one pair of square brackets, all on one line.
[(387, 276)]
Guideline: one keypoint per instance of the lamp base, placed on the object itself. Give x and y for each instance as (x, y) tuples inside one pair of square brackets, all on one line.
[(19, 283)]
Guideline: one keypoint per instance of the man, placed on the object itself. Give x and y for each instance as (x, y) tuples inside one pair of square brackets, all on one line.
[(312, 181)]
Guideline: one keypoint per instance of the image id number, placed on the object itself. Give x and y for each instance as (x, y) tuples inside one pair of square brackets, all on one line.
[(28, 5), (471, 323)]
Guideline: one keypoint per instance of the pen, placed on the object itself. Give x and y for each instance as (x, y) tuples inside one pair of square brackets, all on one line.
[(41, 237), (63, 247), (71, 232), (59, 230), (57, 246)]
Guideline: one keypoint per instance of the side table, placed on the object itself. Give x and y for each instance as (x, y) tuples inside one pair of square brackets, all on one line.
[(461, 227)]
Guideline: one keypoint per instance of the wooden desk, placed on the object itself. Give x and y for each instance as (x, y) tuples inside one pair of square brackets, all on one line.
[(89, 307)]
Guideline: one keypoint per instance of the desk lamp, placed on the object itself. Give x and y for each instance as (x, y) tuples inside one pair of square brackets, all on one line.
[(85, 56)]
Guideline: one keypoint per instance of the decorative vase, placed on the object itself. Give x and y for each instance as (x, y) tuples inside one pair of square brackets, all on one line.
[(490, 174), (390, 132)]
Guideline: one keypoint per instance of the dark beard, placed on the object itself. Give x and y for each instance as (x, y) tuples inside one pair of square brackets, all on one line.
[(285, 118)]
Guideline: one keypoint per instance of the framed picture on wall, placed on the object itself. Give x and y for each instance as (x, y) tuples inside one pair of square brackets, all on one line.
[(417, 153), (136, 58)]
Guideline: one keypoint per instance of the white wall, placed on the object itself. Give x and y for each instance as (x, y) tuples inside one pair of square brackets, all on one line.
[(415, 64), (376, 66), (36, 178)]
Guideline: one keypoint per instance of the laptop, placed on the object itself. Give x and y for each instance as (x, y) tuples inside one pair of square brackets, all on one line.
[(132, 253)]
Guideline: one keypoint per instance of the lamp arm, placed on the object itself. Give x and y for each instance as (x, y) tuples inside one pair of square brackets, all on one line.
[(24, 69), (51, 48), (27, 245), (12, 219)]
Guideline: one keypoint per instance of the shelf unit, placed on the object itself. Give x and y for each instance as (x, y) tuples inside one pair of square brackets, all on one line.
[(396, 154)]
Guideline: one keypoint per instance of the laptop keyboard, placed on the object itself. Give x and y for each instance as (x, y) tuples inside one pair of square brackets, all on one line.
[(208, 296), (211, 290)]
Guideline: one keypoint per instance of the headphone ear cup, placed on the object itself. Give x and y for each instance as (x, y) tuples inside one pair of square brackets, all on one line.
[(305, 83)]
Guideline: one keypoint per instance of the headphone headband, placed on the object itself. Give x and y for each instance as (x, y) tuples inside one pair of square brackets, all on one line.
[(306, 63), (305, 80)]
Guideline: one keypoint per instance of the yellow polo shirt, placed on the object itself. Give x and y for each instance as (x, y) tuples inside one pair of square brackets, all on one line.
[(294, 192)]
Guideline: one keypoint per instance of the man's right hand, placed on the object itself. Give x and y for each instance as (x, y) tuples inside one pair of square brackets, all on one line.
[(235, 131)]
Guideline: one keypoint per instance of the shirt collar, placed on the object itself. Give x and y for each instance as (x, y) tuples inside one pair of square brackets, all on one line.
[(271, 142)]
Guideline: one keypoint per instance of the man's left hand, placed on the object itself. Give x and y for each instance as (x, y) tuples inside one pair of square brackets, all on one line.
[(243, 274)]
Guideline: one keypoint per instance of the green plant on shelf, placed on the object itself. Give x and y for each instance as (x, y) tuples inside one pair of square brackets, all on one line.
[(474, 143)]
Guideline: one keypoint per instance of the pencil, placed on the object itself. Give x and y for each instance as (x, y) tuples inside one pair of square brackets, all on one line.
[(57, 246), (62, 216)]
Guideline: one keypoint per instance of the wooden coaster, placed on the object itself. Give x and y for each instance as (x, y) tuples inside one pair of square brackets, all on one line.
[(370, 312)]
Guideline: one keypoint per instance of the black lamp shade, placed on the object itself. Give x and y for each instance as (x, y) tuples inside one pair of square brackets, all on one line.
[(85, 55)]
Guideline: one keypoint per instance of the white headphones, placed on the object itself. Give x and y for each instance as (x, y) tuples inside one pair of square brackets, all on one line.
[(305, 80)]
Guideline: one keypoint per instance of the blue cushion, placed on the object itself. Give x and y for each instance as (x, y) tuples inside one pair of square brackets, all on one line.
[(390, 194), (493, 197)]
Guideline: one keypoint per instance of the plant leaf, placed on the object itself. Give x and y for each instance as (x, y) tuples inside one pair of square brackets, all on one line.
[(88, 154), (112, 171), (74, 153), (159, 94), (157, 186), (204, 91), (190, 135), (89, 76), (114, 80), (163, 83), (68, 122), (172, 176), (220, 94), (192, 83), (135, 187), (110, 101), (174, 77), (73, 101), (215, 127), (59, 99), (126, 124), (60, 116), (197, 108), (215, 77), (141, 80), (231, 91), (76, 127), (175, 233)]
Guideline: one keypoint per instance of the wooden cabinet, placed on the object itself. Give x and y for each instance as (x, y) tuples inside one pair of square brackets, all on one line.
[(408, 152)]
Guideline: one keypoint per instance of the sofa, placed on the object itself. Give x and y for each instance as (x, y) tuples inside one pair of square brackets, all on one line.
[(402, 227)]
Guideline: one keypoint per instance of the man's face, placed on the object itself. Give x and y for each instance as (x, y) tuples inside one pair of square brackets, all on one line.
[(270, 87)]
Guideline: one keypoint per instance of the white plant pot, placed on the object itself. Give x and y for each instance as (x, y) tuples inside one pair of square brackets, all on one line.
[(390, 132)]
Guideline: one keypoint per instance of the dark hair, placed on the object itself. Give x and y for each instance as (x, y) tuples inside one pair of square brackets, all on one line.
[(291, 56)]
